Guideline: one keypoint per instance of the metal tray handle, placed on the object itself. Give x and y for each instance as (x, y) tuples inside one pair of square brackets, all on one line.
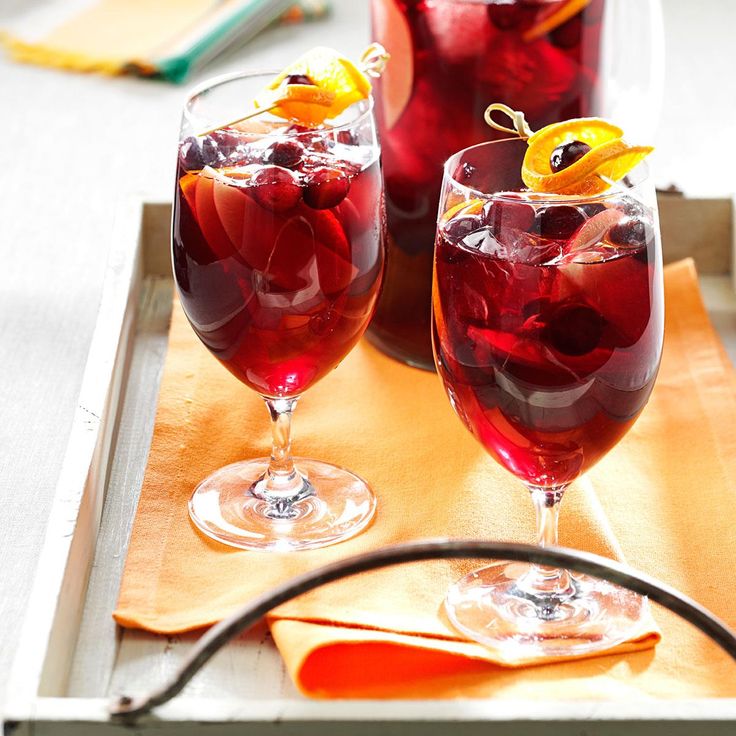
[(130, 708)]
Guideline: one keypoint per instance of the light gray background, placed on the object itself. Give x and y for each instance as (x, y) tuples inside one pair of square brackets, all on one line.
[(72, 146)]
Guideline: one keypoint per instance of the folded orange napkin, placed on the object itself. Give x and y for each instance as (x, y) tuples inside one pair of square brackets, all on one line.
[(658, 498)]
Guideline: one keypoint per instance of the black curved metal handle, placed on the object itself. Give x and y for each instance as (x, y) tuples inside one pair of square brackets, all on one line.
[(583, 562)]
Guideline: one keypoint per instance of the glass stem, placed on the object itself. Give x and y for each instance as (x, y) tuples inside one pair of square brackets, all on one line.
[(281, 486), (281, 468), (547, 583), (547, 505)]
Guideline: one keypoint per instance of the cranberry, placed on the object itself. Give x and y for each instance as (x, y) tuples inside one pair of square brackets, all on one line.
[(574, 329), (559, 222), (501, 216), (226, 141), (211, 154), (296, 128), (566, 154), (276, 189), (592, 209), (346, 137), (319, 143), (298, 79), (629, 233), (567, 35), (191, 154), (461, 226), (284, 153), (325, 188), (310, 138)]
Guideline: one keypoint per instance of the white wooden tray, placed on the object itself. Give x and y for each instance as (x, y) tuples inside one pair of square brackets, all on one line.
[(72, 659)]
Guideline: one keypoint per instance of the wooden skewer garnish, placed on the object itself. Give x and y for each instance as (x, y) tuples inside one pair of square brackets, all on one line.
[(524, 132), (373, 60), (521, 127), (242, 119), (372, 63)]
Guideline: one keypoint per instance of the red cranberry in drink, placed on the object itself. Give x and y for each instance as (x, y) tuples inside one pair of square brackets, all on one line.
[(503, 215), (288, 154), (211, 154), (276, 188), (346, 137), (226, 141), (559, 222), (298, 79), (313, 140), (566, 154), (574, 329), (629, 233), (325, 187), (191, 154), (462, 225), (319, 143), (567, 35), (591, 209)]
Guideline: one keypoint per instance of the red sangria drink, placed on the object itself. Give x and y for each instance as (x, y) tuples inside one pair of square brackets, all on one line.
[(278, 252), (547, 331), (548, 325), (450, 59)]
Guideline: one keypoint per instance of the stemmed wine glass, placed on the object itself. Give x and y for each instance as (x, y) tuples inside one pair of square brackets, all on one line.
[(278, 258), (548, 327)]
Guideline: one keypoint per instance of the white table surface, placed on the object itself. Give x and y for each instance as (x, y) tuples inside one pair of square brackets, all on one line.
[(73, 145)]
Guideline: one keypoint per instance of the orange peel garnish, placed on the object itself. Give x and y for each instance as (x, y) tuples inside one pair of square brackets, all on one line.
[(609, 159), (306, 103), (338, 83)]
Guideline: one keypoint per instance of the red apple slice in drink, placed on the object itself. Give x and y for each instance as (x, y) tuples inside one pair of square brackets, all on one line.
[(592, 232), (208, 218), (332, 249), (266, 241), (391, 27)]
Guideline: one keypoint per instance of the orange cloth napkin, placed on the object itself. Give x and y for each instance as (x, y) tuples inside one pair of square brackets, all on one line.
[(659, 496)]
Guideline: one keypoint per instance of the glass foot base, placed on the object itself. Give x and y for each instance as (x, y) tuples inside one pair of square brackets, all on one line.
[(336, 507), (490, 606)]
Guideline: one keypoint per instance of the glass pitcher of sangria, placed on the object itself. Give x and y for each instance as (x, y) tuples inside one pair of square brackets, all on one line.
[(554, 59)]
